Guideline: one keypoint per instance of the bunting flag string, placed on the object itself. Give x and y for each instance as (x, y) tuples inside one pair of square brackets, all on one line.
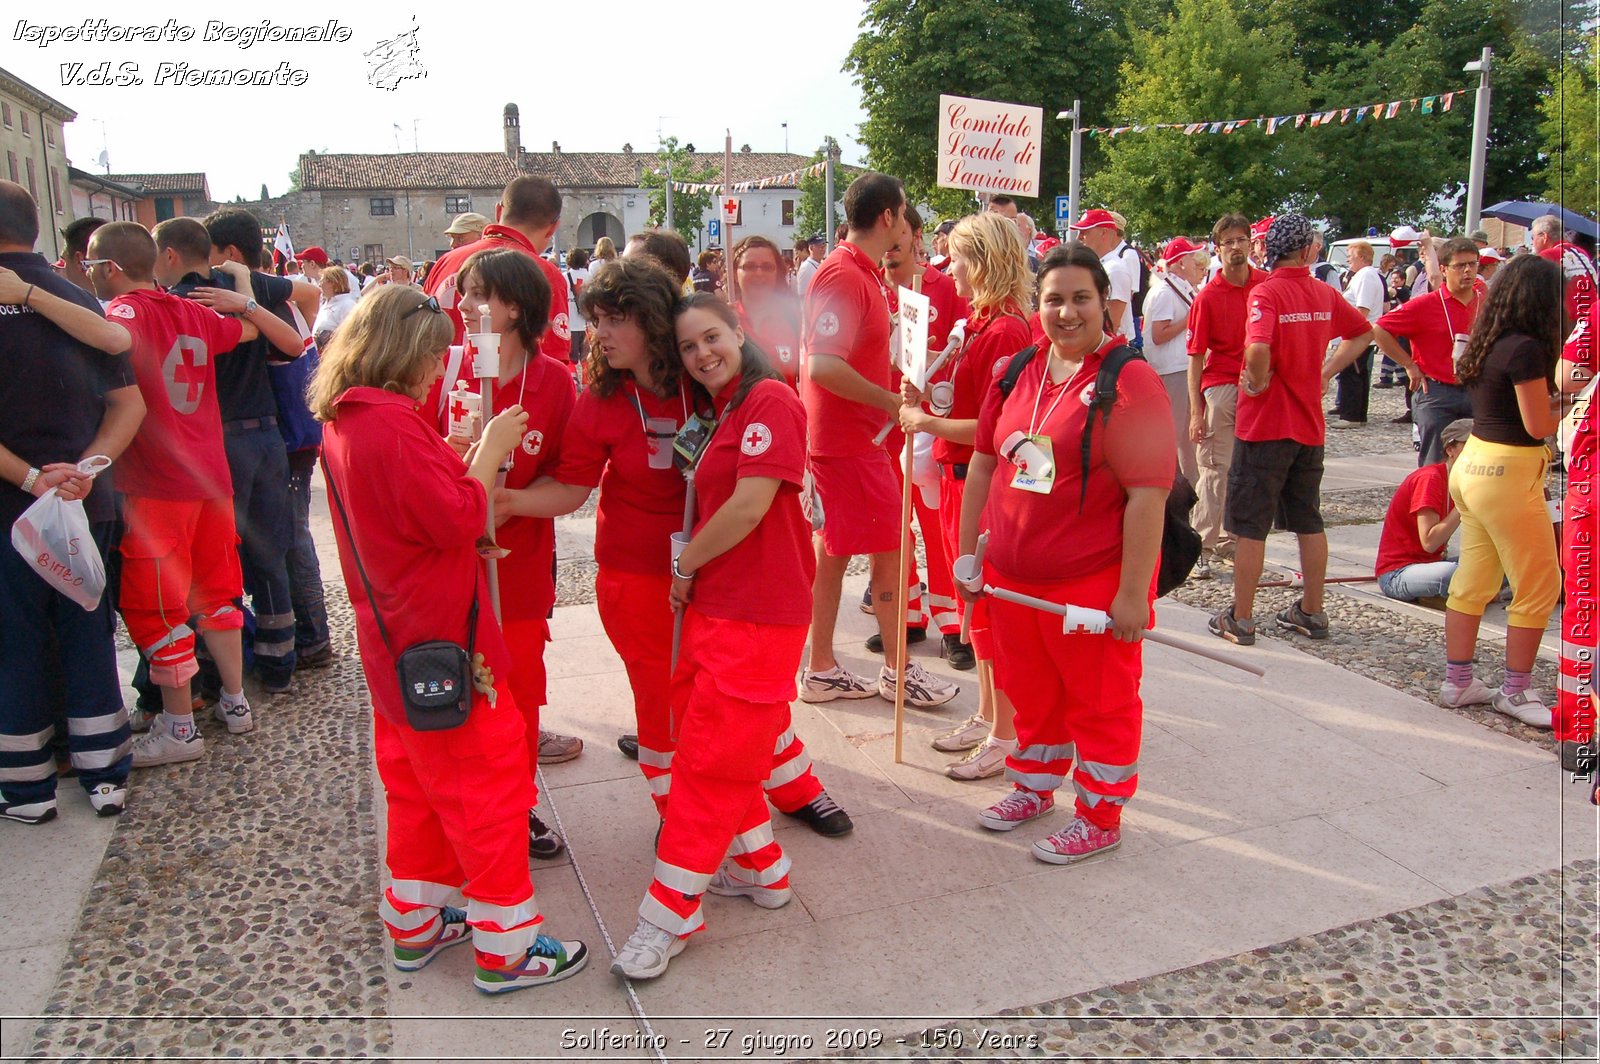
[(788, 180), (1271, 124)]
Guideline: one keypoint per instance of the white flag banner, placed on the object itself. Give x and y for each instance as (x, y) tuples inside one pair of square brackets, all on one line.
[(914, 336), (989, 147)]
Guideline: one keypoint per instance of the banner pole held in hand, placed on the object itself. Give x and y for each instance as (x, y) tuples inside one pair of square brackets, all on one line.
[(913, 362), (688, 530), (486, 367)]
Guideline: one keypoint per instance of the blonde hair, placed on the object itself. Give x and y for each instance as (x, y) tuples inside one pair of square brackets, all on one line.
[(335, 278), (1359, 247), (605, 248), (387, 342), (997, 265)]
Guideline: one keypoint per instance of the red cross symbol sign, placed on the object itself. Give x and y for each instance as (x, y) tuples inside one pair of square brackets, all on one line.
[(730, 211), (458, 410)]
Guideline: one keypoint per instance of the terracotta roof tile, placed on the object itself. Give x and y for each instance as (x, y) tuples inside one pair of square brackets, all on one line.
[(164, 182)]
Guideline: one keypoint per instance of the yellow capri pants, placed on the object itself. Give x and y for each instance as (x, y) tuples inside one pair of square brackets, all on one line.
[(1505, 532)]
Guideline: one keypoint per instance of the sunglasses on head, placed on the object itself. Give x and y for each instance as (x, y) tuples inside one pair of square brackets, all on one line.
[(427, 304), (91, 263)]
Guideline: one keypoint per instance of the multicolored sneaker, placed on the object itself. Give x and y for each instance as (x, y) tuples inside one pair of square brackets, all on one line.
[(544, 842), (647, 952), (555, 749), (450, 929), (1016, 809), (1311, 625), (1223, 623), (1076, 842), (729, 885), (923, 689), (549, 960)]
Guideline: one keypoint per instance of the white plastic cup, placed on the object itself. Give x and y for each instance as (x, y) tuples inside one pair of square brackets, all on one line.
[(968, 572), (1081, 620), (485, 355), (680, 540)]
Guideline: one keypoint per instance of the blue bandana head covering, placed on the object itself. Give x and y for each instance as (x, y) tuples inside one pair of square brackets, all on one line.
[(1289, 233)]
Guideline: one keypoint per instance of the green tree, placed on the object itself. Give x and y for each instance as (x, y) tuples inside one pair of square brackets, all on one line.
[(1569, 134), (1044, 53), (688, 208), (1202, 62), (811, 213)]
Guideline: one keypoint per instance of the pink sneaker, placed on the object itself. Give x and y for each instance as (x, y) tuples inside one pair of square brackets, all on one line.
[(1016, 809), (1078, 840)]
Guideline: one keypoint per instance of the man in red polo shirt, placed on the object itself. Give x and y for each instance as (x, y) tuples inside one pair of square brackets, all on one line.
[(1437, 324), (848, 401), (1277, 464), (1216, 357), (528, 213)]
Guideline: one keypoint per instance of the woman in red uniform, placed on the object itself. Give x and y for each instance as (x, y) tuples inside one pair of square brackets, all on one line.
[(515, 291), (620, 438), (991, 273), (768, 312), (457, 798), (1089, 542), (744, 583)]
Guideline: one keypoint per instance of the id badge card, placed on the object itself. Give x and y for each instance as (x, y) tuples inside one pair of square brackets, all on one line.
[(1034, 458), (690, 443), (658, 432), (1459, 349)]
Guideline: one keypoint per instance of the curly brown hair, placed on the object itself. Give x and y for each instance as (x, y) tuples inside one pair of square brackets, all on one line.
[(1526, 298), (640, 290)]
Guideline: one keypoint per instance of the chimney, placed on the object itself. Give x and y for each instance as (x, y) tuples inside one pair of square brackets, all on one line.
[(513, 132), (555, 146)]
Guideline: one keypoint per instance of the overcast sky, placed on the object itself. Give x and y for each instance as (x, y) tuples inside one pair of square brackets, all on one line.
[(592, 76)]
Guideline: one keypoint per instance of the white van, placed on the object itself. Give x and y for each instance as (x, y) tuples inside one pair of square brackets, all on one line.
[(1339, 250)]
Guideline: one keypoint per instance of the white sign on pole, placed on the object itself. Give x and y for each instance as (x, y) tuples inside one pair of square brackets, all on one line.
[(914, 336), (988, 146), (730, 210)]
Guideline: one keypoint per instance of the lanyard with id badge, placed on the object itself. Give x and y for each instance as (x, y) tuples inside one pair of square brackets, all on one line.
[(1458, 347), (1032, 452)]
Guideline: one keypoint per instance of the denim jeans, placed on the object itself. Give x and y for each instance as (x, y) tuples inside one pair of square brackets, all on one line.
[(1432, 410), (305, 571), (1422, 580), (33, 616)]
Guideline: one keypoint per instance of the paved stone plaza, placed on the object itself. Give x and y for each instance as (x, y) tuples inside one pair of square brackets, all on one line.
[(1322, 864)]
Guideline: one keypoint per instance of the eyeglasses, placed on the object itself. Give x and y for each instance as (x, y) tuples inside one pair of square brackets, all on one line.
[(1238, 241), (89, 264), (1472, 265), (427, 304)]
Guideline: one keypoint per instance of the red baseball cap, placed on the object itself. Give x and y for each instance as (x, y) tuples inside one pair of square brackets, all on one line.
[(1044, 246), (1178, 247), (1490, 254), (1404, 237), (313, 254), (1095, 219), (1259, 230)]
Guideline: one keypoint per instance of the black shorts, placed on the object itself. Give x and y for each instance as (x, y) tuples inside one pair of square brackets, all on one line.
[(1274, 478)]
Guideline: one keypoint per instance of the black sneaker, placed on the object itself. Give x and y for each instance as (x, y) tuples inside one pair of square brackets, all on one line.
[(825, 817), (543, 842), (629, 745), (913, 636), (957, 653), (29, 812), (1312, 625)]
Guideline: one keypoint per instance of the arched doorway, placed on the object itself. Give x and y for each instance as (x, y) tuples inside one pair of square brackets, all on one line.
[(600, 224)]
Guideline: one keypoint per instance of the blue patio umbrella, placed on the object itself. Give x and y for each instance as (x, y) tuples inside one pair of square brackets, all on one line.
[(1523, 212)]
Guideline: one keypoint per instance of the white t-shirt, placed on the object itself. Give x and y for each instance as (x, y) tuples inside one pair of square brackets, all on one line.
[(1130, 261), (1366, 290), (802, 278), (1169, 300), (1121, 289), (576, 279)]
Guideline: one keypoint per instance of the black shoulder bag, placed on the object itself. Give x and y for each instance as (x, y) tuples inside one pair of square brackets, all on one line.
[(436, 676), (1180, 543)]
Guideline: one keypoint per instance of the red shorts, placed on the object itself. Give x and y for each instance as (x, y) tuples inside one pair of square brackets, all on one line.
[(860, 504)]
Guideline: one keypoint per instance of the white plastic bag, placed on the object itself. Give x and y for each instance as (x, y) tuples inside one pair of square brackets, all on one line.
[(53, 536)]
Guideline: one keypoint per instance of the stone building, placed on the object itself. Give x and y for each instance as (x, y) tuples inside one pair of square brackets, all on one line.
[(35, 154)]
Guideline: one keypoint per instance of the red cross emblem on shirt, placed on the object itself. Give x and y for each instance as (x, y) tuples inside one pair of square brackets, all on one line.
[(756, 440), (185, 371)]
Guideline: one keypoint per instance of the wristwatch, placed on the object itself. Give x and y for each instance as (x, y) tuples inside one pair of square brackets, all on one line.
[(679, 573), (250, 305), (33, 477)]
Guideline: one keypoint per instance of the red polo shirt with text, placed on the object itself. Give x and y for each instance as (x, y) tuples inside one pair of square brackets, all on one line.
[(1295, 315), (1216, 324), (847, 316), (557, 339)]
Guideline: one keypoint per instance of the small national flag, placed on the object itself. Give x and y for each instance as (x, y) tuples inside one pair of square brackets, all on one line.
[(282, 246), (1448, 98), (1344, 116), (1394, 109), (1360, 114), (1427, 104), (1300, 120)]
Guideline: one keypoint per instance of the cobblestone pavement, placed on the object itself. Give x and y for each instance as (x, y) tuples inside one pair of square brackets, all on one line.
[(237, 902), (1504, 972)]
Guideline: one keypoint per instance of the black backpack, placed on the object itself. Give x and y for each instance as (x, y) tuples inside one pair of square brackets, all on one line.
[(1180, 543)]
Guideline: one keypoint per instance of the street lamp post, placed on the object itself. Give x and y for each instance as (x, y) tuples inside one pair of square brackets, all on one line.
[(1075, 158), (1480, 138)]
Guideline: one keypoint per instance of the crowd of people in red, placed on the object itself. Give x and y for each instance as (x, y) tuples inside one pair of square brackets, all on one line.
[(746, 444)]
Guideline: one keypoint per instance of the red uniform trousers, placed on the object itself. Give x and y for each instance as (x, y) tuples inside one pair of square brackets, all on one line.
[(731, 695), (1575, 697), (951, 492), (635, 613), (458, 804), (526, 640), (180, 558), (1077, 696)]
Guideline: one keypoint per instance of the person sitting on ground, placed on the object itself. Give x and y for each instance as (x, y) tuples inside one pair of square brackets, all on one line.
[(1411, 565)]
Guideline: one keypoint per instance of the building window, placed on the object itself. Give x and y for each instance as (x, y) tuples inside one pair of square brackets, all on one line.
[(788, 212), (372, 253), (457, 204), (5, 114), (11, 164), (33, 189), (164, 208), (50, 134), (55, 183), (27, 131), (380, 206)]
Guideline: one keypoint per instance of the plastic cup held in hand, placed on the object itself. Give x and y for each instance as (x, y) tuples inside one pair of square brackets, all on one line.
[(485, 354)]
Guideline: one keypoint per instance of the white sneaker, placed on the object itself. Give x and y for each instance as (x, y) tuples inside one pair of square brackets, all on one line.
[(923, 689), (729, 885), (984, 761), (647, 952), (837, 682), (236, 715), (1474, 694), (1527, 706), (964, 736), (108, 799), (160, 747)]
